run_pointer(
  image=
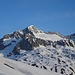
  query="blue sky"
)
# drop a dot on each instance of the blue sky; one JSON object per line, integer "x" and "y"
{"x": 47, "y": 15}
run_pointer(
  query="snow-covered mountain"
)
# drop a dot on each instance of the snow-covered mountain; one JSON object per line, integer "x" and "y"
{"x": 45, "y": 50}
{"x": 72, "y": 36}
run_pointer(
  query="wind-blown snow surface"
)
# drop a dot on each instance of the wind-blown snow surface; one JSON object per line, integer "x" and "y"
{"x": 11, "y": 67}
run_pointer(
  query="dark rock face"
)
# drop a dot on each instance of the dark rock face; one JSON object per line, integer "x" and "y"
{"x": 29, "y": 42}
{"x": 70, "y": 43}
{"x": 72, "y": 37}
{"x": 26, "y": 31}
{"x": 16, "y": 35}
{"x": 62, "y": 70}
{"x": 43, "y": 42}
{"x": 22, "y": 45}
{"x": 25, "y": 45}
{"x": 1, "y": 41}
{"x": 6, "y": 36}
{"x": 2, "y": 46}
{"x": 63, "y": 43}
{"x": 16, "y": 50}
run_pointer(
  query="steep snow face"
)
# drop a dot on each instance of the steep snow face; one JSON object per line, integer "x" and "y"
{"x": 52, "y": 37}
{"x": 10, "y": 67}
{"x": 40, "y": 34}
{"x": 9, "y": 45}
{"x": 9, "y": 41}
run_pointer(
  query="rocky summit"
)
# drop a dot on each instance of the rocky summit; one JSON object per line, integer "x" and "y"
{"x": 47, "y": 50}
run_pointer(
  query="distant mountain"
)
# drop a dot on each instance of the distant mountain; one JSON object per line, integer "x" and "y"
{"x": 72, "y": 36}
{"x": 47, "y": 50}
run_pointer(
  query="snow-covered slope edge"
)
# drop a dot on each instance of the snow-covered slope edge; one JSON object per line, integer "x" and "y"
{"x": 11, "y": 67}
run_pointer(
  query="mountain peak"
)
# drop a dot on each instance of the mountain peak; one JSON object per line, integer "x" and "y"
{"x": 33, "y": 29}
{"x": 31, "y": 26}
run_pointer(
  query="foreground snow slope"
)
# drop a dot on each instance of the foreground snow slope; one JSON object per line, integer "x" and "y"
{"x": 11, "y": 67}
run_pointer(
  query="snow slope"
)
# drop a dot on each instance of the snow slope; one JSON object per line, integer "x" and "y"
{"x": 42, "y": 35}
{"x": 51, "y": 37}
{"x": 11, "y": 67}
